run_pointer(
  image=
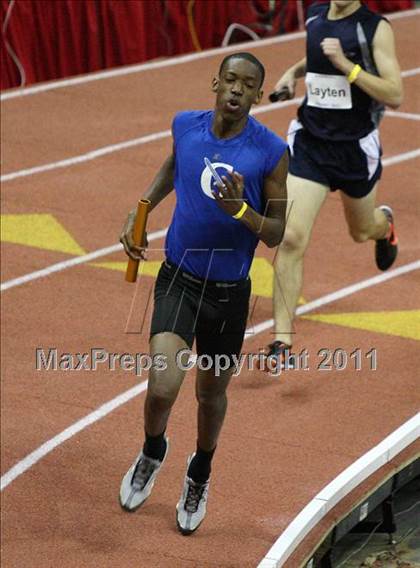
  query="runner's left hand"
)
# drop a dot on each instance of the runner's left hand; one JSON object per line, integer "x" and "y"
{"x": 331, "y": 46}
{"x": 230, "y": 198}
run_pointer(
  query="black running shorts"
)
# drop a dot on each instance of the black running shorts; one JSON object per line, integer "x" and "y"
{"x": 213, "y": 313}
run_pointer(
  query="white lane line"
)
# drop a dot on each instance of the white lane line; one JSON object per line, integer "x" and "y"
{"x": 131, "y": 69}
{"x": 406, "y": 115}
{"x": 411, "y": 72}
{"x": 403, "y": 14}
{"x": 111, "y": 148}
{"x": 337, "y": 489}
{"x": 92, "y": 155}
{"x": 391, "y": 160}
{"x": 99, "y": 152}
{"x": 59, "y": 266}
{"x": 344, "y": 292}
{"x": 260, "y": 109}
{"x": 68, "y": 433}
{"x": 398, "y": 158}
{"x": 31, "y": 459}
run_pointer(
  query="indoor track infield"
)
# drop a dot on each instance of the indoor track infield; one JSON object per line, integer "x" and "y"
{"x": 285, "y": 437}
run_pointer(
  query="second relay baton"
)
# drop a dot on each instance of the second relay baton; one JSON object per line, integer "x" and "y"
{"x": 138, "y": 236}
{"x": 214, "y": 174}
{"x": 281, "y": 95}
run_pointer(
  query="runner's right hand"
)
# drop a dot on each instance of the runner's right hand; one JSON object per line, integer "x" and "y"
{"x": 126, "y": 239}
{"x": 287, "y": 81}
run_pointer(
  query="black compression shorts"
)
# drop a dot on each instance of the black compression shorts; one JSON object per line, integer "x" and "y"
{"x": 213, "y": 313}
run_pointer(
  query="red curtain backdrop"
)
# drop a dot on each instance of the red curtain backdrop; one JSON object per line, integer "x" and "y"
{"x": 50, "y": 39}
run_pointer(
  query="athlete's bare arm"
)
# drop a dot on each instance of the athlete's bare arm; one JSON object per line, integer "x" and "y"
{"x": 160, "y": 187}
{"x": 163, "y": 183}
{"x": 270, "y": 226}
{"x": 289, "y": 78}
{"x": 387, "y": 88}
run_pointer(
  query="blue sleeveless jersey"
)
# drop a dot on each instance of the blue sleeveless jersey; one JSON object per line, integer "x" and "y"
{"x": 202, "y": 238}
{"x": 333, "y": 109}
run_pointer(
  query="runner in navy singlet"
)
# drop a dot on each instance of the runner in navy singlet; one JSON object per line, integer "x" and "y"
{"x": 351, "y": 72}
{"x": 203, "y": 287}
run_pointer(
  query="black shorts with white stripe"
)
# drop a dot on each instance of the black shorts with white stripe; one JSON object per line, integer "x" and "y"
{"x": 352, "y": 166}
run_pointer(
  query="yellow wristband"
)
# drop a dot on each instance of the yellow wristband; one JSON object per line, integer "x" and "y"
{"x": 354, "y": 73}
{"x": 241, "y": 211}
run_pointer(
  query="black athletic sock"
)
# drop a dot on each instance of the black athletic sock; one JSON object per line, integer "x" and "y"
{"x": 155, "y": 446}
{"x": 200, "y": 466}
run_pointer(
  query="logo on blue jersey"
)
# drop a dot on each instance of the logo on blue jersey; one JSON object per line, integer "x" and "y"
{"x": 207, "y": 180}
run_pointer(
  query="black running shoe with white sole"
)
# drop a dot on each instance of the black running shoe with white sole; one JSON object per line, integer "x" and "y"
{"x": 191, "y": 508}
{"x": 138, "y": 482}
{"x": 277, "y": 357}
{"x": 386, "y": 249}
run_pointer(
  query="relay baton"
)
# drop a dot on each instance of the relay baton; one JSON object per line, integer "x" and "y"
{"x": 281, "y": 95}
{"x": 138, "y": 236}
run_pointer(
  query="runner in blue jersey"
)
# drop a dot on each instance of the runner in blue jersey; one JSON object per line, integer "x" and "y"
{"x": 229, "y": 175}
{"x": 351, "y": 72}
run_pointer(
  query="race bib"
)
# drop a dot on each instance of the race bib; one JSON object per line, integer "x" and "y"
{"x": 328, "y": 91}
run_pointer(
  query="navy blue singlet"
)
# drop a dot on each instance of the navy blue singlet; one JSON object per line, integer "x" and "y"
{"x": 333, "y": 109}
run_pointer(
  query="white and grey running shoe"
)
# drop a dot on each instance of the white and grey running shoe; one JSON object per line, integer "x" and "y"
{"x": 191, "y": 508}
{"x": 138, "y": 482}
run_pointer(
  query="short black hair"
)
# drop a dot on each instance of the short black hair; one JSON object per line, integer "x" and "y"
{"x": 249, "y": 57}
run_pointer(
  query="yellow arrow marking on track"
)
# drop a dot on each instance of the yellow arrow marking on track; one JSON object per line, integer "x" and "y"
{"x": 39, "y": 230}
{"x": 405, "y": 323}
{"x": 42, "y": 230}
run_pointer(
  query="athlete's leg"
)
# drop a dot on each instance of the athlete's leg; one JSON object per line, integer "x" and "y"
{"x": 164, "y": 385}
{"x": 363, "y": 219}
{"x": 220, "y": 336}
{"x": 163, "y": 388}
{"x": 212, "y": 404}
{"x": 305, "y": 199}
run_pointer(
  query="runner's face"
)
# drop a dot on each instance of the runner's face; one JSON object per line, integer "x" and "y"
{"x": 237, "y": 88}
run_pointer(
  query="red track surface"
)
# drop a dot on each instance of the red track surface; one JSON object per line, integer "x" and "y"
{"x": 284, "y": 439}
